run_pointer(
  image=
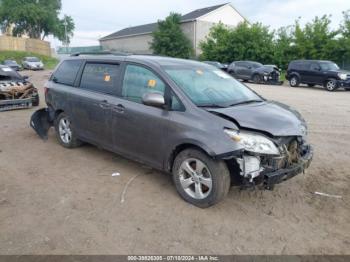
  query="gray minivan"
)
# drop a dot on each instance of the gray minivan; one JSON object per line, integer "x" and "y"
{"x": 183, "y": 117}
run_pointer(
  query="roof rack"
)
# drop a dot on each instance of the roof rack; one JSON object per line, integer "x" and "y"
{"x": 100, "y": 53}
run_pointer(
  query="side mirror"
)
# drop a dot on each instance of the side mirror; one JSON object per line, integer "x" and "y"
{"x": 153, "y": 99}
{"x": 25, "y": 77}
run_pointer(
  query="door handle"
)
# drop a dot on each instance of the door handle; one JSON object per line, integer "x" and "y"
{"x": 104, "y": 104}
{"x": 120, "y": 109}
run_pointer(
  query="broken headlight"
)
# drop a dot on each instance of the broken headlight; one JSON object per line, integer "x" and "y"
{"x": 253, "y": 142}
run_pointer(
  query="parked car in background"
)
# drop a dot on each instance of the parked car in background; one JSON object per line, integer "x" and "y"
{"x": 317, "y": 72}
{"x": 218, "y": 65}
{"x": 255, "y": 72}
{"x": 180, "y": 116}
{"x": 32, "y": 63}
{"x": 16, "y": 92}
{"x": 12, "y": 64}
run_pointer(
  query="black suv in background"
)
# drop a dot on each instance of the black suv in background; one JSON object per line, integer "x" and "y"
{"x": 317, "y": 72}
{"x": 255, "y": 72}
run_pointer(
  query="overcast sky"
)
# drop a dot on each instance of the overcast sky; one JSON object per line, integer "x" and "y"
{"x": 97, "y": 18}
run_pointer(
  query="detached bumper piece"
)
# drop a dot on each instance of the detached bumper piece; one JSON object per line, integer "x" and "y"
{"x": 277, "y": 177}
{"x": 41, "y": 121}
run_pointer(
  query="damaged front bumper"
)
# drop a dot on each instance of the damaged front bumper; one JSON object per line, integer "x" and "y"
{"x": 268, "y": 171}
{"x": 272, "y": 177}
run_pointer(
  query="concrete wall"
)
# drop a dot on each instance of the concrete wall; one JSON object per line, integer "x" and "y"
{"x": 189, "y": 31}
{"x": 202, "y": 31}
{"x": 131, "y": 44}
{"x": 8, "y": 43}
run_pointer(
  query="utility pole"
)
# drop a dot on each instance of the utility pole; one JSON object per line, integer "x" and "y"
{"x": 65, "y": 33}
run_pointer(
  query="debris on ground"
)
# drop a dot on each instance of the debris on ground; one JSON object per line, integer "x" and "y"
{"x": 122, "y": 200}
{"x": 115, "y": 174}
{"x": 327, "y": 195}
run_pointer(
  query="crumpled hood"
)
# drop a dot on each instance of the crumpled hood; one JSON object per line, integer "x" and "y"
{"x": 272, "y": 117}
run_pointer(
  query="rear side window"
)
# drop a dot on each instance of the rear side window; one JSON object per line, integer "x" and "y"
{"x": 315, "y": 67}
{"x": 139, "y": 81}
{"x": 299, "y": 66}
{"x": 67, "y": 72}
{"x": 100, "y": 77}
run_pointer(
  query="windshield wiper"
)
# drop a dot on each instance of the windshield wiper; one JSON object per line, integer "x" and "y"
{"x": 247, "y": 102}
{"x": 212, "y": 106}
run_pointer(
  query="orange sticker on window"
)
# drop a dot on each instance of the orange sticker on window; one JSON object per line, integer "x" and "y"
{"x": 107, "y": 78}
{"x": 152, "y": 83}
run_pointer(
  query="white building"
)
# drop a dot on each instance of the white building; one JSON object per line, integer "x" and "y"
{"x": 196, "y": 25}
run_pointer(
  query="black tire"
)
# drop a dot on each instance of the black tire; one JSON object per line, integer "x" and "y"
{"x": 331, "y": 85}
{"x": 219, "y": 174}
{"x": 294, "y": 81}
{"x": 35, "y": 100}
{"x": 310, "y": 85}
{"x": 73, "y": 141}
{"x": 256, "y": 79}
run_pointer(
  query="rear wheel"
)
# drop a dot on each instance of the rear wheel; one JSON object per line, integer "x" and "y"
{"x": 331, "y": 85}
{"x": 294, "y": 81}
{"x": 65, "y": 132}
{"x": 199, "y": 179}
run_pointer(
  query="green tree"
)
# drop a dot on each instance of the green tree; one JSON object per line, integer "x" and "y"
{"x": 169, "y": 39}
{"x": 316, "y": 40}
{"x": 344, "y": 41}
{"x": 244, "y": 42}
{"x": 37, "y": 18}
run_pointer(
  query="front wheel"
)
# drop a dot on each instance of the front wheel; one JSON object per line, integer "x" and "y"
{"x": 256, "y": 79}
{"x": 65, "y": 132}
{"x": 199, "y": 179}
{"x": 294, "y": 81}
{"x": 331, "y": 85}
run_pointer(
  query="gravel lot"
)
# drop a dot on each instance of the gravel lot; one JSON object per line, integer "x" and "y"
{"x": 59, "y": 201}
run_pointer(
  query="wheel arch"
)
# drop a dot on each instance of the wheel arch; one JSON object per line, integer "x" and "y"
{"x": 292, "y": 74}
{"x": 181, "y": 147}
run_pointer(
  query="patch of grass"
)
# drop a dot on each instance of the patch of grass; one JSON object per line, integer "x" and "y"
{"x": 49, "y": 62}
{"x": 283, "y": 76}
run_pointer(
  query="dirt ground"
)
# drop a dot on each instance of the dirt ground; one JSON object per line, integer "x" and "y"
{"x": 59, "y": 201}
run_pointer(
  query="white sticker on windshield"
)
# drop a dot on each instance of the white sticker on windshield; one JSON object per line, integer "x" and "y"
{"x": 6, "y": 69}
{"x": 221, "y": 74}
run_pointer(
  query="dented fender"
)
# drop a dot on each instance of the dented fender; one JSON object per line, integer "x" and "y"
{"x": 41, "y": 121}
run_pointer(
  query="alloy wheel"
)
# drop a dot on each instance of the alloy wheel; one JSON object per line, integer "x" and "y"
{"x": 64, "y": 129}
{"x": 195, "y": 178}
{"x": 331, "y": 85}
{"x": 293, "y": 81}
